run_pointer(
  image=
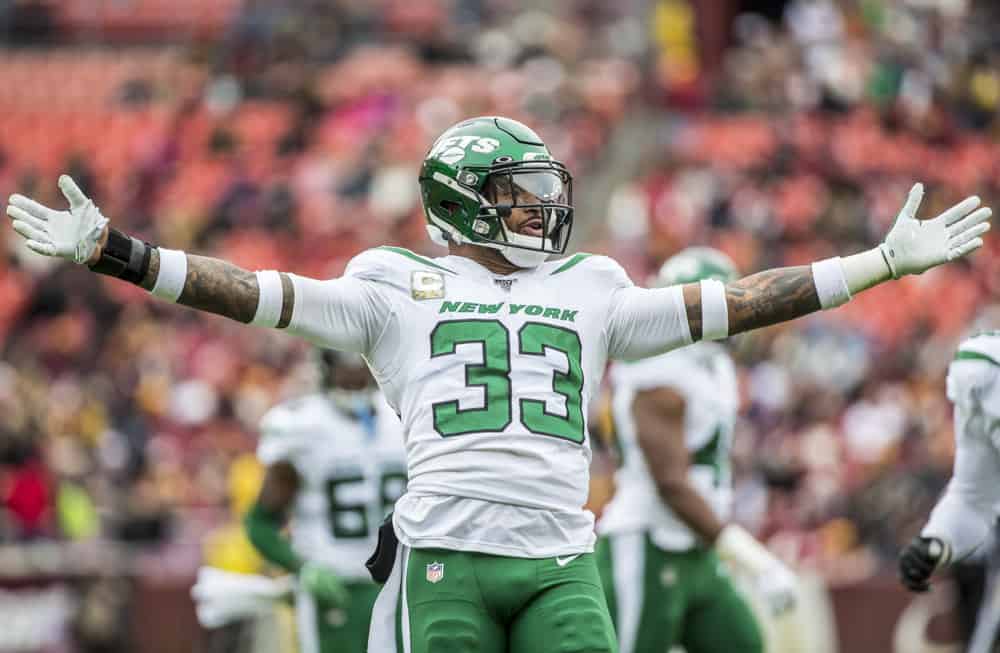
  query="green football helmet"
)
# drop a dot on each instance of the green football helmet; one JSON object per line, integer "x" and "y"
{"x": 481, "y": 169}
{"x": 696, "y": 264}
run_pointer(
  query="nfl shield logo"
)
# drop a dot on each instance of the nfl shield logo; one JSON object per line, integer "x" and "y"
{"x": 504, "y": 284}
{"x": 435, "y": 572}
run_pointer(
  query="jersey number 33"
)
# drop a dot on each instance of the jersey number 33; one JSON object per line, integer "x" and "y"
{"x": 493, "y": 375}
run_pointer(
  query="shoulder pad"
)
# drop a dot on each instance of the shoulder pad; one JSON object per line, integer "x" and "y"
{"x": 985, "y": 346}
{"x": 391, "y": 265}
{"x": 594, "y": 268}
{"x": 974, "y": 371}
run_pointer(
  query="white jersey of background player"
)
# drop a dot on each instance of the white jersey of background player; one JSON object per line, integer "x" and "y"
{"x": 963, "y": 518}
{"x": 352, "y": 467}
{"x": 704, "y": 374}
{"x": 336, "y": 464}
{"x": 674, "y": 416}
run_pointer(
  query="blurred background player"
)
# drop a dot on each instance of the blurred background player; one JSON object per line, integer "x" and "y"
{"x": 962, "y": 522}
{"x": 335, "y": 464}
{"x": 674, "y": 416}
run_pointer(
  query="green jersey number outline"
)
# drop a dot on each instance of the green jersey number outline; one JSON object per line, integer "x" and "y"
{"x": 493, "y": 375}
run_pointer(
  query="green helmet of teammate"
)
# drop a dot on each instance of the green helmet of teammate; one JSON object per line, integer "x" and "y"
{"x": 481, "y": 169}
{"x": 696, "y": 264}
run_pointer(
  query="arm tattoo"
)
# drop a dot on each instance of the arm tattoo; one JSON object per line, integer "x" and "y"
{"x": 220, "y": 287}
{"x": 770, "y": 297}
{"x": 760, "y": 300}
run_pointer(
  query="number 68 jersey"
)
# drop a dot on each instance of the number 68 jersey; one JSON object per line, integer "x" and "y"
{"x": 351, "y": 471}
{"x": 491, "y": 376}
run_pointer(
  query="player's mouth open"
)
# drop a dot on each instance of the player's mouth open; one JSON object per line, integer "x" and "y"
{"x": 532, "y": 227}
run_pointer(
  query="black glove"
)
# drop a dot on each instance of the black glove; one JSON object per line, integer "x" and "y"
{"x": 919, "y": 560}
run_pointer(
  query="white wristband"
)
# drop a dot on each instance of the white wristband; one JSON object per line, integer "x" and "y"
{"x": 831, "y": 284}
{"x": 170, "y": 278}
{"x": 714, "y": 312}
{"x": 865, "y": 269}
{"x": 269, "y": 299}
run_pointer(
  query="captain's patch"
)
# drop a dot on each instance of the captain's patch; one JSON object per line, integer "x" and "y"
{"x": 426, "y": 285}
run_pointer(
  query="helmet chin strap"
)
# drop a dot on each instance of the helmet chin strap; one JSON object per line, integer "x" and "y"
{"x": 524, "y": 258}
{"x": 519, "y": 256}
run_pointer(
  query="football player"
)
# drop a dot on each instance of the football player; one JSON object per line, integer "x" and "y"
{"x": 674, "y": 416}
{"x": 336, "y": 464}
{"x": 961, "y": 523}
{"x": 490, "y": 355}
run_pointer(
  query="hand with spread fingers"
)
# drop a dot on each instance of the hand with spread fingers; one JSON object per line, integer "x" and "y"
{"x": 914, "y": 246}
{"x": 74, "y": 235}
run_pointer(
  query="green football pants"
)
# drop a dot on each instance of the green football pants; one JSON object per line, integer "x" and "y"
{"x": 660, "y": 599}
{"x": 439, "y": 601}
{"x": 336, "y": 630}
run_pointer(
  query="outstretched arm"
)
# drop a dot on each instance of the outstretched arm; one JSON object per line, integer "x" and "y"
{"x": 84, "y": 236}
{"x": 646, "y": 322}
{"x": 759, "y": 300}
{"x": 219, "y": 287}
{"x": 345, "y": 313}
{"x": 911, "y": 247}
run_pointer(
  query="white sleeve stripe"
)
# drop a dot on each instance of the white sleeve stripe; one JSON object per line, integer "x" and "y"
{"x": 270, "y": 299}
{"x": 714, "y": 311}
{"x": 831, "y": 283}
{"x": 172, "y": 274}
{"x": 677, "y": 294}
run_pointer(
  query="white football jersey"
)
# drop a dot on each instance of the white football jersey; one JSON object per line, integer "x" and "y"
{"x": 974, "y": 389}
{"x": 352, "y": 470}
{"x": 491, "y": 376}
{"x": 705, "y": 376}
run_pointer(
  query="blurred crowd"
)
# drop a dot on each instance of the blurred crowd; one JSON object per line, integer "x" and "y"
{"x": 288, "y": 135}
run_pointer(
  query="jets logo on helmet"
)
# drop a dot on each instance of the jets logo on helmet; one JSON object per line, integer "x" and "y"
{"x": 451, "y": 149}
{"x": 480, "y": 171}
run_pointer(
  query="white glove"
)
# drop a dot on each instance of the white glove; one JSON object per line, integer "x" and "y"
{"x": 778, "y": 587}
{"x": 913, "y": 246}
{"x": 775, "y": 583}
{"x": 72, "y": 235}
{"x": 222, "y": 597}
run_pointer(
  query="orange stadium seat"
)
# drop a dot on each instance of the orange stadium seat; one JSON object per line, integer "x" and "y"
{"x": 132, "y": 18}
